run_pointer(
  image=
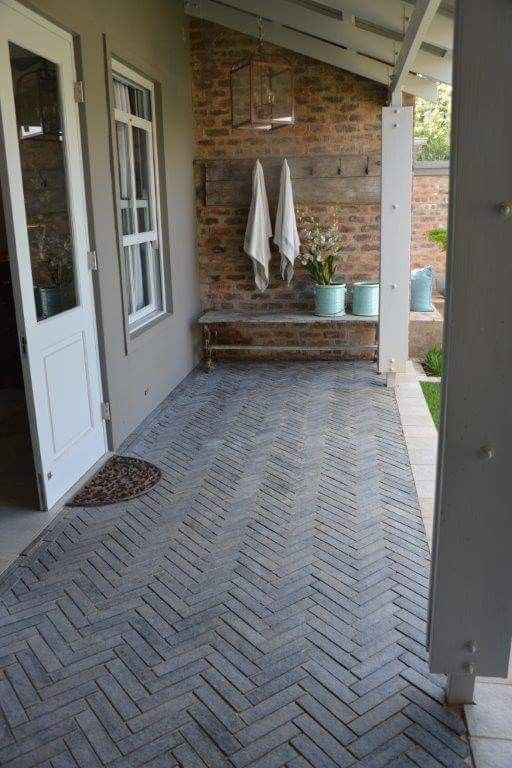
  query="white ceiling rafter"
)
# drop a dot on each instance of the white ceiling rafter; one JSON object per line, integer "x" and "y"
{"x": 302, "y": 19}
{"x": 306, "y": 43}
{"x": 420, "y": 21}
{"x": 392, "y": 14}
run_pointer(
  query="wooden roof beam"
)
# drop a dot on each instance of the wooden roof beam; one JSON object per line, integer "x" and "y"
{"x": 421, "y": 19}
{"x": 307, "y": 45}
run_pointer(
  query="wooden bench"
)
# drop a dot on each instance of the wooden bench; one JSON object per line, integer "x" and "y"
{"x": 284, "y": 335}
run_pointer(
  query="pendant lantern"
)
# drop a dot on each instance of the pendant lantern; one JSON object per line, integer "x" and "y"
{"x": 262, "y": 95}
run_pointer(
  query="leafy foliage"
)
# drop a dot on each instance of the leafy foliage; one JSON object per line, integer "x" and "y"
{"x": 440, "y": 237}
{"x": 433, "y": 362}
{"x": 432, "y": 122}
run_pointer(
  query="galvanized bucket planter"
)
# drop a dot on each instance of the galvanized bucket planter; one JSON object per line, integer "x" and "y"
{"x": 365, "y": 299}
{"x": 330, "y": 299}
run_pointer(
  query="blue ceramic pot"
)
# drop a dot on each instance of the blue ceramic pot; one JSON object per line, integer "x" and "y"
{"x": 330, "y": 300}
{"x": 365, "y": 299}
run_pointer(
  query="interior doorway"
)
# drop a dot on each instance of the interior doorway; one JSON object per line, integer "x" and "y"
{"x": 18, "y": 486}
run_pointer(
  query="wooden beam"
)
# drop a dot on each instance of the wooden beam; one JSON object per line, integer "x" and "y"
{"x": 395, "y": 238}
{"x": 421, "y": 19}
{"x": 307, "y": 45}
{"x": 471, "y": 606}
{"x": 344, "y": 179}
{"x": 343, "y": 33}
{"x": 391, "y": 14}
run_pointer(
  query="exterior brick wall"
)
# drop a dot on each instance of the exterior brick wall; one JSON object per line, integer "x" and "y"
{"x": 336, "y": 112}
{"x": 429, "y": 211}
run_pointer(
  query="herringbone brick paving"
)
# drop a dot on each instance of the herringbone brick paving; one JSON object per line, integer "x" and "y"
{"x": 263, "y": 606}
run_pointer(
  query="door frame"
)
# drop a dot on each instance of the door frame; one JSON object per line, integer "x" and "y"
{"x": 81, "y": 209}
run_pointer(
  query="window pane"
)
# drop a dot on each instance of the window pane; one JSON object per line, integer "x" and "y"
{"x": 43, "y": 167}
{"x": 137, "y": 262}
{"x": 125, "y": 178}
{"x": 132, "y": 98}
{"x": 142, "y": 179}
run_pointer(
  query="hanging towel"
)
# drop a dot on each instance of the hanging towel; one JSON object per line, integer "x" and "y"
{"x": 259, "y": 229}
{"x": 286, "y": 236}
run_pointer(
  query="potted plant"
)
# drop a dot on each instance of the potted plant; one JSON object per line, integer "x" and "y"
{"x": 321, "y": 254}
{"x": 54, "y": 291}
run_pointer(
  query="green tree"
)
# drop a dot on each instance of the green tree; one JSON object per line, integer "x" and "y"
{"x": 432, "y": 122}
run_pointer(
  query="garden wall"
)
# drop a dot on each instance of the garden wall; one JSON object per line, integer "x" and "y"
{"x": 429, "y": 211}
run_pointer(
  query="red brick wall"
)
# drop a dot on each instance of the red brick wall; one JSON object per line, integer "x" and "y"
{"x": 336, "y": 112}
{"x": 429, "y": 211}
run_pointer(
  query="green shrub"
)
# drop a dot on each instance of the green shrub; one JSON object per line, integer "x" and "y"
{"x": 433, "y": 361}
{"x": 440, "y": 237}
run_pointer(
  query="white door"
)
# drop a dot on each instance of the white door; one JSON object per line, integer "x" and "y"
{"x": 44, "y": 189}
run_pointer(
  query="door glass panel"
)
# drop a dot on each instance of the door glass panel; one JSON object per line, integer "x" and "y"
{"x": 142, "y": 178}
{"x": 41, "y": 145}
{"x": 125, "y": 178}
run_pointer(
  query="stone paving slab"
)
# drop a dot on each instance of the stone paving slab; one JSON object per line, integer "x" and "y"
{"x": 264, "y": 605}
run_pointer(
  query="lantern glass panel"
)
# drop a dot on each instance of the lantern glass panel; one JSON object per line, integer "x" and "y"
{"x": 262, "y": 96}
{"x": 282, "y": 90}
{"x": 241, "y": 96}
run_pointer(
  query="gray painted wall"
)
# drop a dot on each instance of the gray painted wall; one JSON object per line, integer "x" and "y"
{"x": 150, "y": 35}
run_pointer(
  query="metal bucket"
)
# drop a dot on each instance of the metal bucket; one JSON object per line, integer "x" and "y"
{"x": 365, "y": 299}
{"x": 330, "y": 299}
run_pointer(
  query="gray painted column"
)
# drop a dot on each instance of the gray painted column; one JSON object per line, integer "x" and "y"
{"x": 471, "y": 596}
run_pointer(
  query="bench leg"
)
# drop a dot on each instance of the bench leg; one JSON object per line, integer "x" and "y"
{"x": 208, "y": 352}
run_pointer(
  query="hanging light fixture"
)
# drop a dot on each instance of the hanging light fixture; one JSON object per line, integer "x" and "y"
{"x": 262, "y": 90}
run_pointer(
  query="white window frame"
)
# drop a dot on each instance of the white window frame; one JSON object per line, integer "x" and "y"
{"x": 153, "y": 237}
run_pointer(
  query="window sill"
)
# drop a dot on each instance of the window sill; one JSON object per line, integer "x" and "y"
{"x": 144, "y": 324}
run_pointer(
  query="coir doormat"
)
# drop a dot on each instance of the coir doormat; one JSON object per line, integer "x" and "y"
{"x": 119, "y": 479}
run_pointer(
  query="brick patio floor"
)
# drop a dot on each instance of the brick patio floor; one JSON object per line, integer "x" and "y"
{"x": 264, "y": 605}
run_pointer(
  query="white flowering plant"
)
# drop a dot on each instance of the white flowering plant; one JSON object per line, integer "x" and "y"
{"x": 321, "y": 253}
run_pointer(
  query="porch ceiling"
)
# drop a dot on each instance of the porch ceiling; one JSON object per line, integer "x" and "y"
{"x": 389, "y": 41}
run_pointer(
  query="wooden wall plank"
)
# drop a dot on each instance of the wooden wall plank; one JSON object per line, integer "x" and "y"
{"x": 323, "y": 179}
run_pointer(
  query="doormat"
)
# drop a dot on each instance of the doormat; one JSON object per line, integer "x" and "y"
{"x": 119, "y": 479}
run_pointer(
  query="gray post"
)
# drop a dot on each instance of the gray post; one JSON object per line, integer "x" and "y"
{"x": 460, "y": 689}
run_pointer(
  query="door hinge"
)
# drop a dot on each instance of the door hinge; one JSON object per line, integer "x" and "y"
{"x": 78, "y": 91}
{"x": 105, "y": 411}
{"x": 23, "y": 344}
{"x": 92, "y": 260}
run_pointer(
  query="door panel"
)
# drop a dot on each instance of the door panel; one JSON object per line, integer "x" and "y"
{"x": 71, "y": 410}
{"x": 44, "y": 183}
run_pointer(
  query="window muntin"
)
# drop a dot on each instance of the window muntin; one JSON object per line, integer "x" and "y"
{"x": 135, "y": 139}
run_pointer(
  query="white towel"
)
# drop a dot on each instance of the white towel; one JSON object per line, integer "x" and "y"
{"x": 286, "y": 236}
{"x": 259, "y": 229}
